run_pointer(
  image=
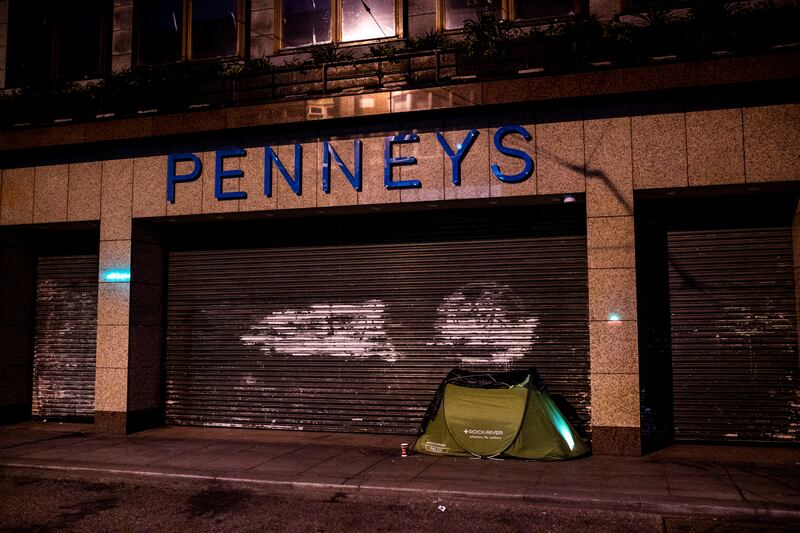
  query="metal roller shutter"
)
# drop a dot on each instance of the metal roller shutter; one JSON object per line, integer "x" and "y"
{"x": 356, "y": 337}
{"x": 734, "y": 337}
{"x": 65, "y": 337}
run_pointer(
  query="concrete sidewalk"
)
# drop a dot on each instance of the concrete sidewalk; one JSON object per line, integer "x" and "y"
{"x": 695, "y": 480}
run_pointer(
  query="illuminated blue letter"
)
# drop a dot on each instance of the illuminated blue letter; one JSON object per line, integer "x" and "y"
{"x": 221, "y": 174}
{"x": 172, "y": 178}
{"x": 390, "y": 162}
{"x": 354, "y": 178}
{"x": 295, "y": 183}
{"x": 455, "y": 158}
{"x": 512, "y": 152}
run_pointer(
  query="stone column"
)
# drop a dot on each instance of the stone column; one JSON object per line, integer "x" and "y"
{"x": 613, "y": 336}
{"x": 421, "y": 18}
{"x": 122, "y": 35}
{"x": 262, "y": 27}
{"x": 129, "y": 330}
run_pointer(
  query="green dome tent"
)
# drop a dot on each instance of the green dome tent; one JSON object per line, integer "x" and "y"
{"x": 502, "y": 414}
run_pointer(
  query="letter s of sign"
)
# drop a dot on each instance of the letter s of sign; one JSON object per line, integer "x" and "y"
{"x": 526, "y": 172}
{"x": 173, "y": 177}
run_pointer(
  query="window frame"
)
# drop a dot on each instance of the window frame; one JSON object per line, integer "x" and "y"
{"x": 54, "y": 68}
{"x": 507, "y": 12}
{"x": 187, "y": 28}
{"x": 336, "y": 28}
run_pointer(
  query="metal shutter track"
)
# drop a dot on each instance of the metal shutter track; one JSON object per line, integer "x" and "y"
{"x": 734, "y": 339}
{"x": 392, "y": 314}
{"x": 65, "y": 337}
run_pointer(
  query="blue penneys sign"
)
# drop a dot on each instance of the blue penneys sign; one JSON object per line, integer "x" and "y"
{"x": 353, "y": 174}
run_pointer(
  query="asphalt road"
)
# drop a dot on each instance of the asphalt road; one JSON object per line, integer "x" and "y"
{"x": 45, "y": 501}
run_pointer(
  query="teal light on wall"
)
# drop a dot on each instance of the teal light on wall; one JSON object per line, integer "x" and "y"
{"x": 117, "y": 275}
{"x": 614, "y": 317}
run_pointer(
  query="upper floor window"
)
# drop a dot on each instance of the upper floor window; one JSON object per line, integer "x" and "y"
{"x": 55, "y": 40}
{"x": 169, "y": 30}
{"x": 310, "y": 22}
{"x": 456, "y": 12}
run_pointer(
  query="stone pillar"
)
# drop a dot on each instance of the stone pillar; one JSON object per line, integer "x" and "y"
{"x": 262, "y": 28}
{"x": 421, "y": 18}
{"x": 613, "y": 336}
{"x": 122, "y": 35}
{"x": 129, "y": 330}
{"x": 17, "y": 295}
{"x": 3, "y": 41}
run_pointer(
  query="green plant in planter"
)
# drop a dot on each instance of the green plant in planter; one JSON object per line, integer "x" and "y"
{"x": 756, "y": 27}
{"x": 128, "y": 90}
{"x": 621, "y": 41}
{"x": 659, "y": 33}
{"x": 431, "y": 40}
{"x": 258, "y": 65}
{"x": 164, "y": 87}
{"x": 586, "y": 33}
{"x": 710, "y": 27}
{"x": 382, "y": 50}
{"x": 232, "y": 69}
{"x": 48, "y": 101}
{"x": 488, "y": 37}
{"x": 329, "y": 53}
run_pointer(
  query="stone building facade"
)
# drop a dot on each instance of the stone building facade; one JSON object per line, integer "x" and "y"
{"x": 635, "y": 161}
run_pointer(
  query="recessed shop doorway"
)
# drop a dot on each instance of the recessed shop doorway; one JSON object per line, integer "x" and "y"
{"x": 718, "y": 322}
{"x": 348, "y": 323}
{"x": 48, "y": 322}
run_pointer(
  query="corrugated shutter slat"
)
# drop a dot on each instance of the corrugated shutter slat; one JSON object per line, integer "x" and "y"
{"x": 65, "y": 337}
{"x": 357, "y": 337}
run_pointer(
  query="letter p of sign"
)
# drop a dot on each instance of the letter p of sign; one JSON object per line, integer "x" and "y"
{"x": 173, "y": 177}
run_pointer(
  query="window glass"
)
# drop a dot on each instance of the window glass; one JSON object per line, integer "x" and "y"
{"x": 29, "y": 43}
{"x": 80, "y": 38}
{"x": 531, "y": 9}
{"x": 456, "y": 12}
{"x": 160, "y": 29}
{"x": 306, "y": 22}
{"x": 214, "y": 28}
{"x": 367, "y": 19}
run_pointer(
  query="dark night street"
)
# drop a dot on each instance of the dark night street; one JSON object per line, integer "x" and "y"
{"x": 35, "y": 501}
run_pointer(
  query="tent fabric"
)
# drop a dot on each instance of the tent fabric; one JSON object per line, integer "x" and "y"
{"x": 505, "y": 414}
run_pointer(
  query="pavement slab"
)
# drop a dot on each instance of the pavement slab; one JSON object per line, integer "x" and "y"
{"x": 700, "y": 481}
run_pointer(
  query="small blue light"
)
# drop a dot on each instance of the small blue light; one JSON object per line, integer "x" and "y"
{"x": 118, "y": 276}
{"x": 614, "y": 317}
